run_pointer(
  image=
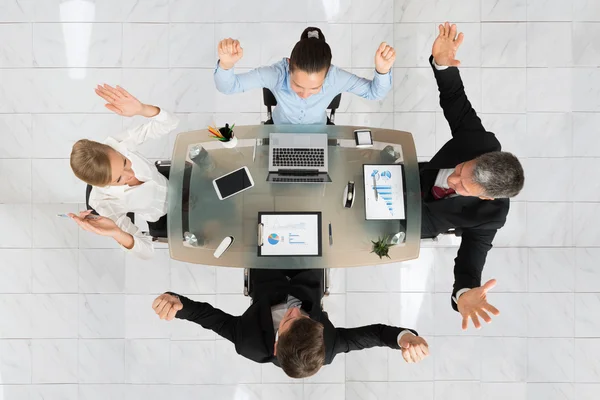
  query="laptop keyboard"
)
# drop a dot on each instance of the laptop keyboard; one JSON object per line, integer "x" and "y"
{"x": 298, "y": 157}
{"x": 298, "y": 179}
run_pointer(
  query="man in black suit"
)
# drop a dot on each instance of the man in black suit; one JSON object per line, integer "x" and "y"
{"x": 285, "y": 324}
{"x": 467, "y": 184}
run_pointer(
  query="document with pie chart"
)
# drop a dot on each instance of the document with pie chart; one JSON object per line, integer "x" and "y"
{"x": 386, "y": 181}
{"x": 289, "y": 234}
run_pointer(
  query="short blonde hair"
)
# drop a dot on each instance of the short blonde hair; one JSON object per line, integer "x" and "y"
{"x": 91, "y": 163}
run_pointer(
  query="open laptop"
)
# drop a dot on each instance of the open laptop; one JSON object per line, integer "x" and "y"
{"x": 298, "y": 158}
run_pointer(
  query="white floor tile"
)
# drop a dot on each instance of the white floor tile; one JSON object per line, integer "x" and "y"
{"x": 550, "y": 360}
{"x": 587, "y": 360}
{"x": 101, "y": 361}
{"x": 101, "y": 316}
{"x": 503, "y": 359}
{"x": 458, "y": 358}
{"x": 55, "y": 361}
{"x": 145, "y": 361}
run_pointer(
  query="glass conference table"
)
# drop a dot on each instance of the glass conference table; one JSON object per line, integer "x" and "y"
{"x": 198, "y": 221}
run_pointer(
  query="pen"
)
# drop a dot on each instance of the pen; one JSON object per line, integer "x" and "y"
{"x": 254, "y": 151}
{"x": 330, "y": 236}
{"x": 375, "y": 188}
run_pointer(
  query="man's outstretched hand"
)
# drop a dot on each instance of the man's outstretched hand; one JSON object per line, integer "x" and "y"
{"x": 414, "y": 348}
{"x": 446, "y": 45}
{"x": 473, "y": 304}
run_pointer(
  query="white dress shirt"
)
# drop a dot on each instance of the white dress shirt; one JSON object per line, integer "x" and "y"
{"x": 442, "y": 178}
{"x": 147, "y": 200}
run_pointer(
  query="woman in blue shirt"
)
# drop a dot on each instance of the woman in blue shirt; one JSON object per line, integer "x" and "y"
{"x": 304, "y": 84}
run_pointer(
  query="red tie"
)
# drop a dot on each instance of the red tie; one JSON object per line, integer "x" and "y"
{"x": 440, "y": 193}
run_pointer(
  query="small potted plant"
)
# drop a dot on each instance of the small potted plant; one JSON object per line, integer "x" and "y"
{"x": 224, "y": 135}
{"x": 381, "y": 247}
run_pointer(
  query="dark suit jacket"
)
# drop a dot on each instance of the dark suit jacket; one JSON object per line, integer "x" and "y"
{"x": 476, "y": 220}
{"x": 253, "y": 335}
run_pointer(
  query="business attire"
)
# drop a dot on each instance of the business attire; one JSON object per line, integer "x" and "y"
{"x": 148, "y": 200}
{"x": 476, "y": 220}
{"x": 291, "y": 109}
{"x": 273, "y": 292}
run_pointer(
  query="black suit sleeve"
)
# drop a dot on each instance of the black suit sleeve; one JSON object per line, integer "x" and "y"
{"x": 470, "y": 259}
{"x": 457, "y": 108}
{"x": 208, "y": 317}
{"x": 364, "y": 337}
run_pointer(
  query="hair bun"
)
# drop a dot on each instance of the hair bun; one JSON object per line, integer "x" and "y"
{"x": 312, "y": 32}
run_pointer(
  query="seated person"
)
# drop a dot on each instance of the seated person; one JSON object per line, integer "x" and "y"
{"x": 286, "y": 326}
{"x": 467, "y": 184}
{"x": 123, "y": 180}
{"x": 305, "y": 83}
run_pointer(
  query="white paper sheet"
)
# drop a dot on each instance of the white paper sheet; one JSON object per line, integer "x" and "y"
{"x": 290, "y": 234}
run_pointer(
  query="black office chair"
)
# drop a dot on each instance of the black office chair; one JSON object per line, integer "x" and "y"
{"x": 158, "y": 229}
{"x": 270, "y": 102}
{"x": 247, "y": 280}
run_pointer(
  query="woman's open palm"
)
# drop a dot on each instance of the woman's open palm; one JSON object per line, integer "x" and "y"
{"x": 119, "y": 100}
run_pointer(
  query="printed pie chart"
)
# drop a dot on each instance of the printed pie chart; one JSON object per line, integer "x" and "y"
{"x": 273, "y": 238}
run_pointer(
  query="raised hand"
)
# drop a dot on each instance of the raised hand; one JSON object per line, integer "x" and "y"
{"x": 446, "y": 45}
{"x": 414, "y": 348}
{"x": 92, "y": 223}
{"x": 473, "y": 304}
{"x": 120, "y": 101}
{"x": 384, "y": 58}
{"x": 166, "y": 306}
{"x": 230, "y": 52}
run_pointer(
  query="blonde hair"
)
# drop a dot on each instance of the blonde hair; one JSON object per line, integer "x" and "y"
{"x": 90, "y": 162}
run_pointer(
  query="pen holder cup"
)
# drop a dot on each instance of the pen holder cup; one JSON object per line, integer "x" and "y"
{"x": 231, "y": 143}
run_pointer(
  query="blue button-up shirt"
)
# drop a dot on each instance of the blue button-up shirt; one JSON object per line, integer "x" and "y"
{"x": 291, "y": 109}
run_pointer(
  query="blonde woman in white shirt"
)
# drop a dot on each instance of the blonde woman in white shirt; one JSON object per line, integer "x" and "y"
{"x": 123, "y": 180}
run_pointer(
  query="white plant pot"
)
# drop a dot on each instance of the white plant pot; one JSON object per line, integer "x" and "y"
{"x": 231, "y": 143}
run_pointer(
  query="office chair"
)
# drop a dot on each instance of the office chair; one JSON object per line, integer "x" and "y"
{"x": 157, "y": 230}
{"x": 270, "y": 101}
{"x": 326, "y": 278}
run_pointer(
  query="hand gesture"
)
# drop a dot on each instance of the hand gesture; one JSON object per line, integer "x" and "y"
{"x": 384, "y": 58}
{"x": 473, "y": 304}
{"x": 166, "y": 306}
{"x": 92, "y": 223}
{"x": 230, "y": 52}
{"x": 414, "y": 348}
{"x": 119, "y": 100}
{"x": 446, "y": 45}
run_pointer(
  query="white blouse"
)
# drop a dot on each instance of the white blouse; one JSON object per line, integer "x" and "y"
{"x": 148, "y": 200}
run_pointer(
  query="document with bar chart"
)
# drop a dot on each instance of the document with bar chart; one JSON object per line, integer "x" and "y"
{"x": 384, "y": 191}
{"x": 290, "y": 234}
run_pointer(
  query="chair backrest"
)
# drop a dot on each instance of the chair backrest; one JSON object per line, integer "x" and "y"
{"x": 335, "y": 103}
{"x": 270, "y": 101}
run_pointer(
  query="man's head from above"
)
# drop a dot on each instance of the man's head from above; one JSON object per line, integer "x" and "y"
{"x": 300, "y": 346}
{"x": 309, "y": 63}
{"x": 490, "y": 176}
{"x": 100, "y": 165}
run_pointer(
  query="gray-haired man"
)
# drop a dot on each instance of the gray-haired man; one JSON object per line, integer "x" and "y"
{"x": 466, "y": 186}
